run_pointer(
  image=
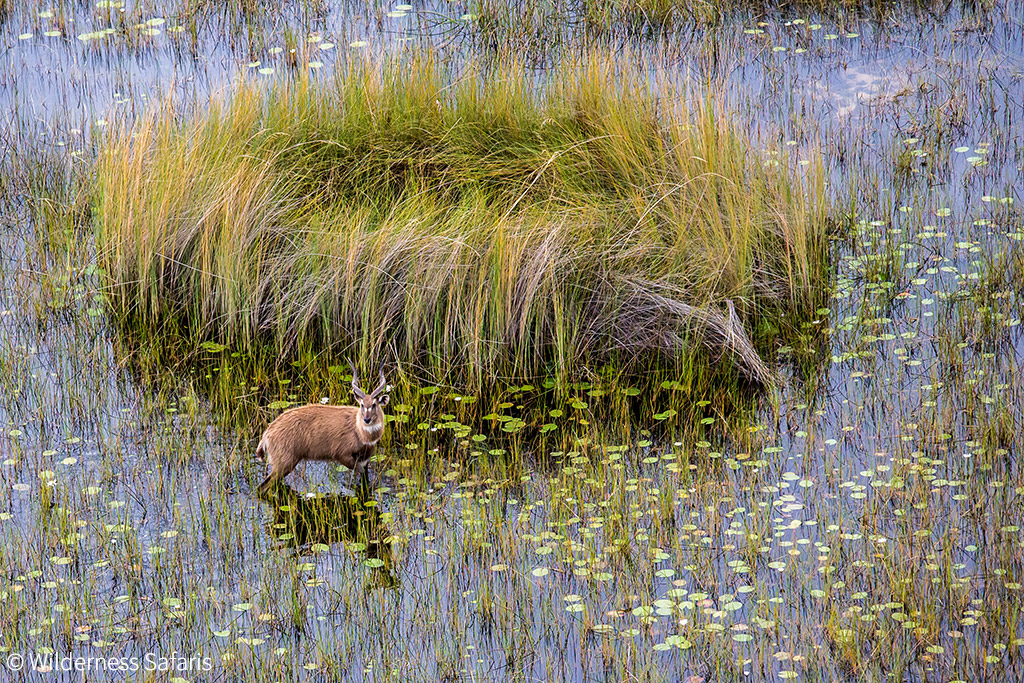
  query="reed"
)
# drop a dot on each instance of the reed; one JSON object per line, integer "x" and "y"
{"x": 476, "y": 226}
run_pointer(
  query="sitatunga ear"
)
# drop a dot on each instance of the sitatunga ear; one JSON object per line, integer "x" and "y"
{"x": 383, "y": 400}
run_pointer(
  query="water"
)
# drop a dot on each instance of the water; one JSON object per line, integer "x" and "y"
{"x": 866, "y": 525}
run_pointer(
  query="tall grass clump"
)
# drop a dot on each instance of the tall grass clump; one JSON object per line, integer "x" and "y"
{"x": 474, "y": 227}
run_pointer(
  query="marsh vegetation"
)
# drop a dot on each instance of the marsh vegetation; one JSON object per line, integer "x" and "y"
{"x": 541, "y": 215}
{"x": 463, "y": 225}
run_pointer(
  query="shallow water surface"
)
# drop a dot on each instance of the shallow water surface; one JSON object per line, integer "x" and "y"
{"x": 866, "y": 524}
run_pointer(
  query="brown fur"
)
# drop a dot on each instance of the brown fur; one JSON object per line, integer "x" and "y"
{"x": 321, "y": 432}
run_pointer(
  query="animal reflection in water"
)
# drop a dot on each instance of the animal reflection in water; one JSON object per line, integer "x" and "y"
{"x": 301, "y": 521}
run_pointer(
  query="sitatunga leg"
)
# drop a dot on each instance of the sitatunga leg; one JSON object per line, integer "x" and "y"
{"x": 277, "y": 473}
